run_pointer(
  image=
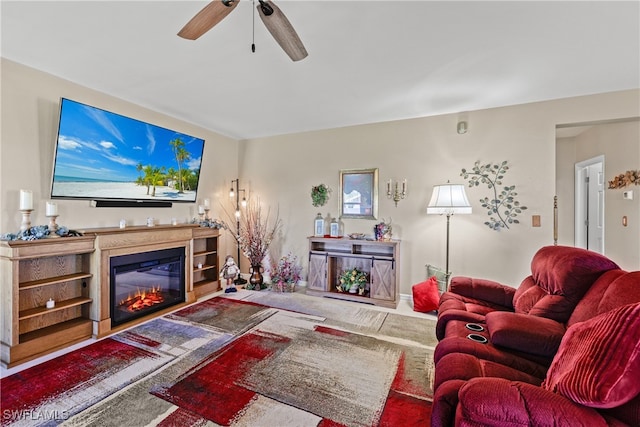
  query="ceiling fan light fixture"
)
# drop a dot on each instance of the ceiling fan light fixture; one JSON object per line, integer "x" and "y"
{"x": 266, "y": 9}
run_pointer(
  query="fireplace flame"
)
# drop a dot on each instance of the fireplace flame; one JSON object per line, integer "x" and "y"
{"x": 142, "y": 299}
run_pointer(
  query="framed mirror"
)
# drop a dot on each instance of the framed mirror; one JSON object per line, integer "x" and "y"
{"x": 359, "y": 193}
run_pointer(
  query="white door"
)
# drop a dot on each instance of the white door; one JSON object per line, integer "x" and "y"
{"x": 589, "y": 204}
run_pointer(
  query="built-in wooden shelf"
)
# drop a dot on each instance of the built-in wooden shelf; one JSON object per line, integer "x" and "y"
{"x": 62, "y": 327}
{"x": 60, "y": 305}
{"x": 32, "y": 272}
{"x": 205, "y": 250}
{"x": 54, "y": 281}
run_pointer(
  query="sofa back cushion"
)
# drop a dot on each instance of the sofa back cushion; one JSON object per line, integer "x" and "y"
{"x": 560, "y": 276}
{"x": 605, "y": 294}
{"x": 598, "y": 362}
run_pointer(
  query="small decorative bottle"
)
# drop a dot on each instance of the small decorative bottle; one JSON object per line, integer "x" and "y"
{"x": 335, "y": 228}
{"x": 319, "y": 225}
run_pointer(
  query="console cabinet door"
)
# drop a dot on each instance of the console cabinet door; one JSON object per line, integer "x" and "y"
{"x": 317, "y": 279}
{"x": 383, "y": 280}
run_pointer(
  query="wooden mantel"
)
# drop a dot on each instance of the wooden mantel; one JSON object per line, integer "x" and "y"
{"x": 74, "y": 271}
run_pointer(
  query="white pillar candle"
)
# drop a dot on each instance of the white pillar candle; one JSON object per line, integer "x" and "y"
{"x": 200, "y": 209}
{"x": 51, "y": 209}
{"x": 26, "y": 200}
{"x": 206, "y": 203}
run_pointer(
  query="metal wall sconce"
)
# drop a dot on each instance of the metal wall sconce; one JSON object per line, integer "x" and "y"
{"x": 462, "y": 127}
{"x": 394, "y": 193}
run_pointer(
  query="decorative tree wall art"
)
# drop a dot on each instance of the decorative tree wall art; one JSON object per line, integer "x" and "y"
{"x": 503, "y": 208}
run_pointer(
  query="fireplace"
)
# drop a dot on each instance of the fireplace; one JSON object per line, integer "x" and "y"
{"x": 146, "y": 282}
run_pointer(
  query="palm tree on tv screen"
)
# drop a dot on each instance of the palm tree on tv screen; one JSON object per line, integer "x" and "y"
{"x": 182, "y": 155}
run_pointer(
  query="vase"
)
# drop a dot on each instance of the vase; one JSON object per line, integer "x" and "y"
{"x": 256, "y": 278}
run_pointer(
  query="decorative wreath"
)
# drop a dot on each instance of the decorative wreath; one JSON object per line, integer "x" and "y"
{"x": 320, "y": 195}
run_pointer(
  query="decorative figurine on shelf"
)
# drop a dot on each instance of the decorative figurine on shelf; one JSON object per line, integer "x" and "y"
{"x": 229, "y": 271}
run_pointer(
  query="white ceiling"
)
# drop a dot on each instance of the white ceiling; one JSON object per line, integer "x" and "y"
{"x": 369, "y": 61}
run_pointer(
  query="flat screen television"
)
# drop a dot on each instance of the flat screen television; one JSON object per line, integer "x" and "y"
{"x": 100, "y": 155}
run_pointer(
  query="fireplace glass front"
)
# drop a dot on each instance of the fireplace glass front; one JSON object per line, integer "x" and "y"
{"x": 146, "y": 282}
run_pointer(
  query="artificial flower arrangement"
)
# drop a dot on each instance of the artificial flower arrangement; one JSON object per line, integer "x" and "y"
{"x": 286, "y": 273}
{"x": 255, "y": 233}
{"x": 352, "y": 281}
{"x": 40, "y": 232}
{"x": 631, "y": 177}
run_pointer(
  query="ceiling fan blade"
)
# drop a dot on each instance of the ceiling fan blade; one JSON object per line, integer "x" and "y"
{"x": 281, "y": 30}
{"x": 209, "y": 16}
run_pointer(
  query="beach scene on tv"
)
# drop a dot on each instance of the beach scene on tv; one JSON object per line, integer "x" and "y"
{"x": 103, "y": 155}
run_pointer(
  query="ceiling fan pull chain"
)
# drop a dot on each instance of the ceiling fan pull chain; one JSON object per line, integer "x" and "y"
{"x": 253, "y": 34}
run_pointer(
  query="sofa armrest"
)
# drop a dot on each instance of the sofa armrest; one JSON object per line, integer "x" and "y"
{"x": 499, "y": 402}
{"x": 485, "y": 290}
{"x": 454, "y": 314}
{"x": 525, "y": 333}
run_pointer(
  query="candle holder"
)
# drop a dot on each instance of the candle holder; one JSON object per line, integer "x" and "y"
{"x": 206, "y": 213}
{"x": 394, "y": 193}
{"x": 26, "y": 219}
{"x": 53, "y": 227}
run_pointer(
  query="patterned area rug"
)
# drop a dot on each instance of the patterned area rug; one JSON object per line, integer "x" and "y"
{"x": 251, "y": 359}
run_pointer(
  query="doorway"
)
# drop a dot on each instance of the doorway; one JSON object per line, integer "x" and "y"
{"x": 589, "y": 204}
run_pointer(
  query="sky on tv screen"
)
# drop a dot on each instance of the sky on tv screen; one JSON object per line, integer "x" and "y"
{"x": 99, "y": 146}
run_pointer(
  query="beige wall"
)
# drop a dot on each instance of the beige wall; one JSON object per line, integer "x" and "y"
{"x": 428, "y": 151}
{"x": 619, "y": 143}
{"x": 281, "y": 171}
{"x": 30, "y": 103}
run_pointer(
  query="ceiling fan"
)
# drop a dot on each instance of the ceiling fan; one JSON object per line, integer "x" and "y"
{"x": 272, "y": 17}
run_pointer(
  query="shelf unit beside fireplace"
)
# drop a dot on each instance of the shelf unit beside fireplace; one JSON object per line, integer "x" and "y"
{"x": 329, "y": 257}
{"x": 32, "y": 273}
{"x": 205, "y": 252}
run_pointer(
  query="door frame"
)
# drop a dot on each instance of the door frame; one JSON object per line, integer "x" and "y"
{"x": 581, "y": 203}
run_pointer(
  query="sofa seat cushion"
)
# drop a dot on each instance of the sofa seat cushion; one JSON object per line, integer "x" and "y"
{"x": 501, "y": 402}
{"x": 598, "y": 363}
{"x": 530, "y": 364}
{"x": 460, "y": 366}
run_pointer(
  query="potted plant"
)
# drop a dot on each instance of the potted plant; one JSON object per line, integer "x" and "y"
{"x": 352, "y": 281}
